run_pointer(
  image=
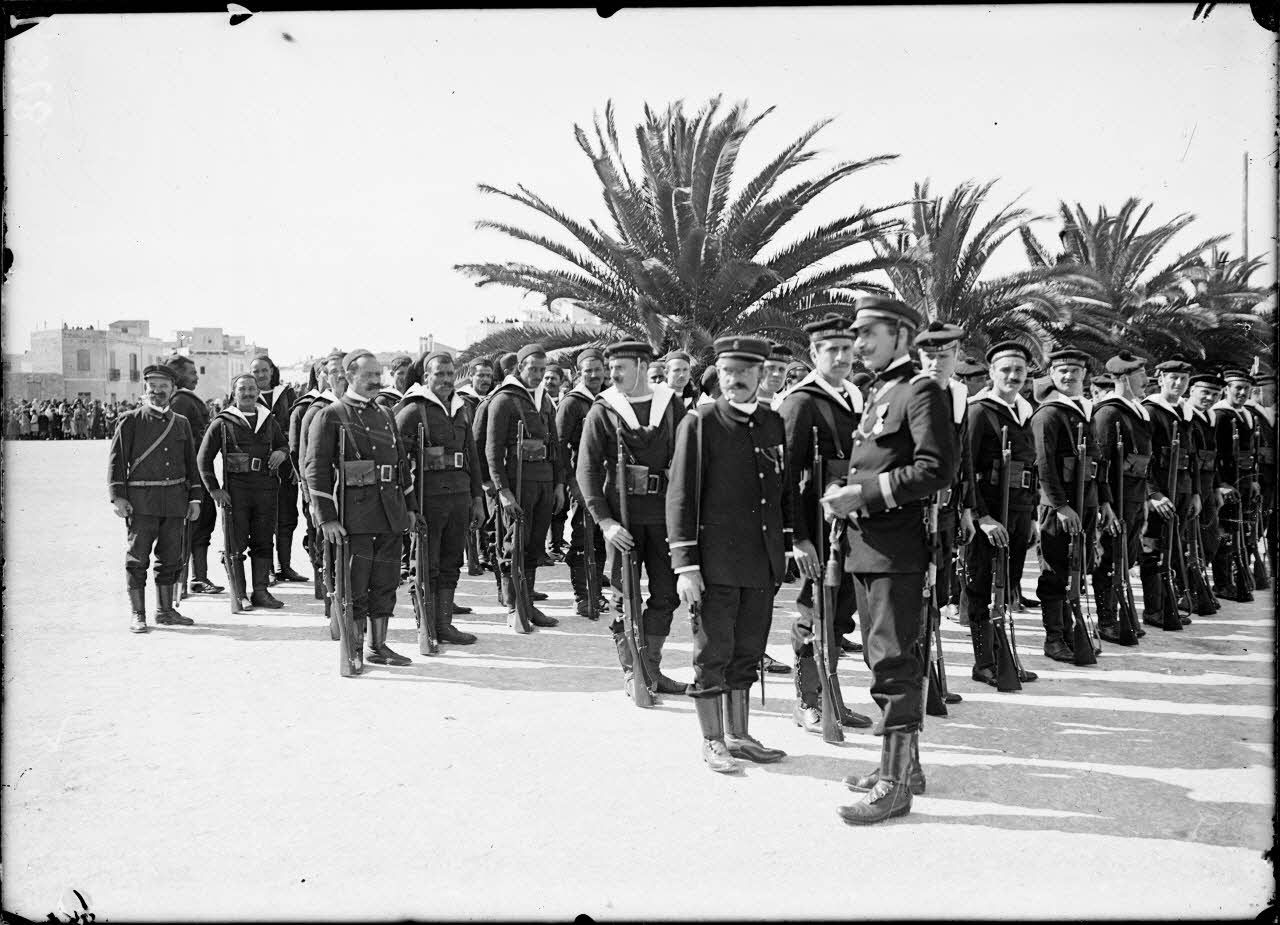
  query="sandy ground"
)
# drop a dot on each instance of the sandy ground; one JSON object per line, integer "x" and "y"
{"x": 226, "y": 771}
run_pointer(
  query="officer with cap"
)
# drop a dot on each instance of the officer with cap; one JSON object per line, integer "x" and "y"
{"x": 729, "y": 516}
{"x": 453, "y": 496}
{"x": 1055, "y": 423}
{"x": 679, "y": 370}
{"x": 775, "y": 374}
{"x": 279, "y": 399}
{"x": 1263, "y": 409}
{"x": 1202, "y": 392}
{"x": 378, "y": 505}
{"x": 543, "y": 478}
{"x": 1122, "y": 410}
{"x": 154, "y": 485}
{"x": 1167, "y": 421}
{"x": 570, "y": 415}
{"x": 824, "y": 402}
{"x": 253, "y": 448}
{"x": 192, "y": 407}
{"x": 904, "y": 452}
{"x": 938, "y": 347}
{"x": 398, "y": 369}
{"x": 998, "y": 410}
{"x": 1237, "y": 474}
{"x": 972, "y": 375}
{"x": 647, "y": 416}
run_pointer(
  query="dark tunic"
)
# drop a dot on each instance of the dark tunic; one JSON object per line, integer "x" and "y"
{"x": 512, "y": 403}
{"x": 253, "y": 493}
{"x": 160, "y": 482}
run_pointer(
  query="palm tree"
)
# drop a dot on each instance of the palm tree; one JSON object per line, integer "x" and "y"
{"x": 946, "y": 252}
{"x": 689, "y": 257}
{"x": 1128, "y": 303}
{"x": 1245, "y": 313}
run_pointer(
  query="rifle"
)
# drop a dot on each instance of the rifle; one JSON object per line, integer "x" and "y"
{"x": 1008, "y": 671}
{"x": 230, "y": 560}
{"x": 1197, "y": 584}
{"x": 632, "y": 608}
{"x": 420, "y": 591}
{"x": 1238, "y": 577}
{"x": 1082, "y": 633}
{"x": 824, "y": 608}
{"x": 350, "y": 659}
{"x": 926, "y": 602}
{"x": 519, "y": 620}
{"x": 1258, "y": 547}
{"x": 1169, "y": 537}
{"x": 180, "y": 586}
{"x": 499, "y": 538}
{"x": 330, "y": 588}
{"x": 589, "y": 555}
{"x": 1121, "y": 589}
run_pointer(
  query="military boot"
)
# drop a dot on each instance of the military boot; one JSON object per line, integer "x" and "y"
{"x": 165, "y": 614}
{"x": 982, "y": 634}
{"x": 445, "y": 610}
{"x": 714, "y": 750}
{"x": 741, "y": 744}
{"x": 1055, "y": 644}
{"x": 237, "y": 565}
{"x": 807, "y": 713}
{"x": 538, "y": 617}
{"x": 625, "y": 660}
{"x": 379, "y": 653}
{"x": 284, "y": 552}
{"x": 578, "y": 581}
{"x": 891, "y": 795}
{"x": 261, "y": 567}
{"x": 138, "y": 607}
{"x": 915, "y": 775}
{"x": 653, "y": 661}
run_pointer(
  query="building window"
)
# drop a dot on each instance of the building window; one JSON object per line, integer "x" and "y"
{"x": 202, "y": 370}
{"x": 133, "y": 362}
{"x": 111, "y": 357}
{"x": 82, "y": 361}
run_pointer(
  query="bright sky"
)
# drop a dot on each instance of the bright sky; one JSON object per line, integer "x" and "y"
{"x": 318, "y": 192}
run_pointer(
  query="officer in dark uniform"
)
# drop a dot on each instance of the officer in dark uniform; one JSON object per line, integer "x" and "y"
{"x": 280, "y": 400}
{"x": 390, "y": 395}
{"x": 1202, "y": 392}
{"x": 938, "y": 347}
{"x": 570, "y": 415}
{"x": 1124, "y": 408}
{"x": 378, "y": 505}
{"x": 648, "y": 416}
{"x": 1237, "y": 473}
{"x": 543, "y": 479}
{"x": 1263, "y": 409}
{"x": 775, "y": 374}
{"x": 253, "y": 448}
{"x": 1054, "y": 424}
{"x": 188, "y": 404}
{"x": 154, "y": 485}
{"x": 1167, "y": 419}
{"x": 827, "y": 402}
{"x": 317, "y": 383}
{"x": 904, "y": 452}
{"x": 729, "y": 517}
{"x": 452, "y": 489}
{"x": 997, "y": 408}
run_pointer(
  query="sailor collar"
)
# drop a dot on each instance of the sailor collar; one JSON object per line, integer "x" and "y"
{"x": 1079, "y": 405}
{"x": 1020, "y": 410}
{"x": 581, "y": 391}
{"x": 456, "y": 401}
{"x": 261, "y": 415}
{"x": 847, "y": 396}
{"x": 959, "y": 401}
{"x": 1242, "y": 412}
{"x": 392, "y": 390}
{"x": 662, "y": 396}
{"x": 1135, "y": 406}
{"x": 1190, "y": 412}
{"x": 1158, "y": 401}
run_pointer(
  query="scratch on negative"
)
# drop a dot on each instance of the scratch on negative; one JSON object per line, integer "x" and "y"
{"x": 1188, "y": 147}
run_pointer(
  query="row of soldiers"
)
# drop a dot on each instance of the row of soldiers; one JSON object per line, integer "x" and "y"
{"x": 867, "y": 492}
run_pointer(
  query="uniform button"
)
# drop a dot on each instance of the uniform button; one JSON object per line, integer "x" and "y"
{"x": 762, "y": 501}
{"x": 853, "y": 469}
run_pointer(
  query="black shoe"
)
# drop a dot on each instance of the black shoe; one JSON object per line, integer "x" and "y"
{"x": 581, "y": 609}
{"x": 459, "y": 608}
{"x": 474, "y": 570}
{"x": 984, "y": 676}
{"x": 173, "y": 618}
{"x": 853, "y": 720}
{"x": 453, "y": 636}
{"x": 1110, "y": 632}
{"x": 545, "y": 561}
{"x": 1028, "y": 603}
{"x": 773, "y": 666}
{"x": 203, "y": 586}
{"x": 264, "y": 599}
{"x": 848, "y": 645}
{"x": 1186, "y": 621}
{"x": 537, "y": 596}
{"x": 1027, "y": 676}
{"x": 1058, "y": 650}
{"x": 538, "y": 618}
{"x": 286, "y": 573}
